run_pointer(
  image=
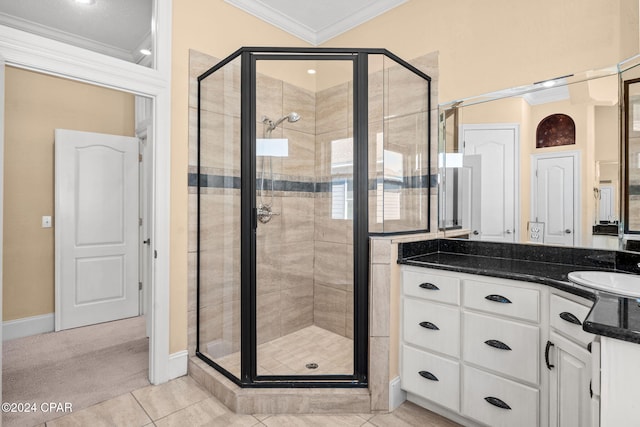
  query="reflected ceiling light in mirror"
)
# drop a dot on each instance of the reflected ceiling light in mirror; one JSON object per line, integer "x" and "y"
{"x": 311, "y": 71}
{"x": 553, "y": 81}
{"x": 145, "y": 52}
{"x": 87, "y": 2}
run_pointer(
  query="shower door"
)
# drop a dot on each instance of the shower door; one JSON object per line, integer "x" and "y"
{"x": 304, "y": 236}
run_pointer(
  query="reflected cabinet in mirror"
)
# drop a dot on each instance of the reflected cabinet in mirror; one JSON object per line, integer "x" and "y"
{"x": 535, "y": 164}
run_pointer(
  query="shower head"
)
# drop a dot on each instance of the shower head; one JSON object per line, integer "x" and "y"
{"x": 292, "y": 117}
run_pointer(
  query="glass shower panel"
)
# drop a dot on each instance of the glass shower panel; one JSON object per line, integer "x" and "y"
{"x": 304, "y": 236}
{"x": 219, "y": 218}
{"x": 399, "y": 131}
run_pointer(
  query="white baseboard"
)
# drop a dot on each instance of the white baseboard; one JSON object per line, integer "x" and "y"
{"x": 178, "y": 364}
{"x": 27, "y": 326}
{"x": 396, "y": 394}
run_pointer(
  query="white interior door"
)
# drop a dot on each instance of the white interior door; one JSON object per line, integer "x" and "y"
{"x": 606, "y": 208}
{"x": 96, "y": 231}
{"x": 554, "y": 197}
{"x": 471, "y": 195}
{"x": 496, "y": 145}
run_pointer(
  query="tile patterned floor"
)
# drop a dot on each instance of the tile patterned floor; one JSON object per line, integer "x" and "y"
{"x": 182, "y": 402}
{"x": 289, "y": 355}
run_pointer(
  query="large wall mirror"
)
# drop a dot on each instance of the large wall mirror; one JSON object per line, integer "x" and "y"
{"x": 542, "y": 163}
{"x": 630, "y": 123}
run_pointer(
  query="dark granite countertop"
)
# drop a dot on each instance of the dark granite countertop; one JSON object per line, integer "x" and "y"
{"x": 610, "y": 316}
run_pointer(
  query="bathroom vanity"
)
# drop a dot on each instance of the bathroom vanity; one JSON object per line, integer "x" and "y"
{"x": 495, "y": 334}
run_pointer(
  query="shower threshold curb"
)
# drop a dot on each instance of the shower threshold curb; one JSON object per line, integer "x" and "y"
{"x": 279, "y": 400}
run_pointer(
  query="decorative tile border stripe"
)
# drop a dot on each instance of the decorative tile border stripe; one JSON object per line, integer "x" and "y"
{"x": 233, "y": 182}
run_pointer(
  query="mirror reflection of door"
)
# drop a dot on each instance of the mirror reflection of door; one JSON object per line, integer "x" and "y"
{"x": 496, "y": 146}
{"x": 606, "y": 208}
{"x": 471, "y": 179}
{"x": 554, "y": 196}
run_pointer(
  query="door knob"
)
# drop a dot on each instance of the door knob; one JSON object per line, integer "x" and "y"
{"x": 475, "y": 232}
{"x": 508, "y": 231}
{"x": 567, "y": 231}
{"x": 147, "y": 242}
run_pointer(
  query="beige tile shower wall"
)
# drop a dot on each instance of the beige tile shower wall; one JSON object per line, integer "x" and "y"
{"x": 285, "y": 249}
{"x": 333, "y": 266}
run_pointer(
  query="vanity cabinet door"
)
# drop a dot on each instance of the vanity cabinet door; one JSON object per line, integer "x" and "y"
{"x": 569, "y": 384}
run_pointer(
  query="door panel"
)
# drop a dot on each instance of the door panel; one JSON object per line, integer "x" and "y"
{"x": 553, "y": 202}
{"x": 496, "y": 148}
{"x": 569, "y": 399}
{"x": 96, "y": 186}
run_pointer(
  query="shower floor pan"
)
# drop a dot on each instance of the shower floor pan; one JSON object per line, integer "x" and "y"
{"x": 308, "y": 351}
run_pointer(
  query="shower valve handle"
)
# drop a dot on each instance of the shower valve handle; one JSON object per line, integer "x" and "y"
{"x": 264, "y": 214}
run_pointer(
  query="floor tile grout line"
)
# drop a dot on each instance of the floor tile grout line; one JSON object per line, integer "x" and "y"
{"x": 141, "y": 406}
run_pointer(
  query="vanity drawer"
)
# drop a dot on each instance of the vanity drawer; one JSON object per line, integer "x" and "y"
{"x": 431, "y": 286}
{"x": 485, "y": 338}
{"x": 432, "y": 326}
{"x": 519, "y": 303}
{"x": 567, "y": 317}
{"x": 431, "y": 377}
{"x": 484, "y": 393}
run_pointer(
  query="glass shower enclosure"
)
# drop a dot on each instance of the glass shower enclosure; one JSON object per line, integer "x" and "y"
{"x": 303, "y": 154}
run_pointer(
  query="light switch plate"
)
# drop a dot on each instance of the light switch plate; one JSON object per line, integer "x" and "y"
{"x": 46, "y": 222}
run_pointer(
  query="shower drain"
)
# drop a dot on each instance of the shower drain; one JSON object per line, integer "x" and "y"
{"x": 311, "y": 366}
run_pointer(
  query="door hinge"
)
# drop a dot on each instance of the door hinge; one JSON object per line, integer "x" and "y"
{"x": 536, "y": 173}
{"x": 140, "y": 222}
{"x": 140, "y": 158}
{"x": 139, "y": 286}
{"x": 155, "y": 254}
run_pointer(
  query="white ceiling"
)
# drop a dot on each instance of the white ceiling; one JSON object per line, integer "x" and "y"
{"x": 114, "y": 27}
{"x": 316, "y": 21}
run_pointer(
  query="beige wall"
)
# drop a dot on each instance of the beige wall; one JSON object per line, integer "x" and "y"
{"x": 483, "y": 46}
{"x": 35, "y": 105}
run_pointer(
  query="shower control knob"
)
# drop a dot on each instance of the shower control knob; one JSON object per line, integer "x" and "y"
{"x": 264, "y": 213}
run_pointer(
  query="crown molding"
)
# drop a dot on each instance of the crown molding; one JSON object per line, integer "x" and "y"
{"x": 315, "y": 37}
{"x": 65, "y": 37}
{"x": 375, "y": 8}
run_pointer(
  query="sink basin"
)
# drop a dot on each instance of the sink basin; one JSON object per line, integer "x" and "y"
{"x": 626, "y": 285}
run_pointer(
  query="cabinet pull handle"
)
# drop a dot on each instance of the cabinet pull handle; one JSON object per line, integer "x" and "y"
{"x": 546, "y": 355}
{"x": 428, "y": 375}
{"x": 498, "y": 298}
{"x": 429, "y": 325}
{"x": 497, "y": 402}
{"x": 429, "y": 286}
{"x": 565, "y": 315}
{"x": 497, "y": 344}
